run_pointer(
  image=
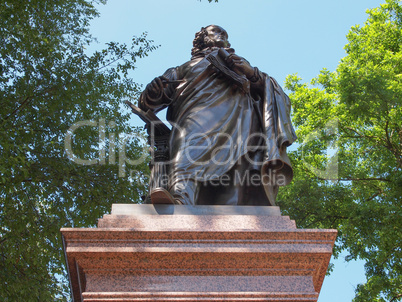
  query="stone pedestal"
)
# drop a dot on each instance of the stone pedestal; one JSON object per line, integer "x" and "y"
{"x": 201, "y": 253}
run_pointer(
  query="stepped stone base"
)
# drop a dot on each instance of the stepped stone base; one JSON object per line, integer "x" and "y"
{"x": 196, "y": 253}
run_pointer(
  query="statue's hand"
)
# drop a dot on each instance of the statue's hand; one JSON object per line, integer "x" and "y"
{"x": 154, "y": 90}
{"x": 240, "y": 65}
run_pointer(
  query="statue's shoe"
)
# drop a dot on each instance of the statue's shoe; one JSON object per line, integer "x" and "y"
{"x": 162, "y": 196}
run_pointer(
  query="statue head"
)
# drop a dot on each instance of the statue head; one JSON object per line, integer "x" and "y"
{"x": 210, "y": 36}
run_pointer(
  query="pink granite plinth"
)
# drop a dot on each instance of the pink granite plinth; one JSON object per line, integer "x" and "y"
{"x": 205, "y": 253}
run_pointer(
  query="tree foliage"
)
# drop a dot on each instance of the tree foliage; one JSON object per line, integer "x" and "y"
{"x": 357, "y": 111}
{"x": 47, "y": 84}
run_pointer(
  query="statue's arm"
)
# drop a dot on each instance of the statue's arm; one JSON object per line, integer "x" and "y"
{"x": 156, "y": 95}
{"x": 242, "y": 67}
{"x": 257, "y": 81}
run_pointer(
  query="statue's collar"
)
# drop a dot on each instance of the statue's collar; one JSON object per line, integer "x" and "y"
{"x": 207, "y": 51}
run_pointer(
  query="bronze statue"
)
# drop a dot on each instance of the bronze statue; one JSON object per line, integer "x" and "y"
{"x": 230, "y": 129}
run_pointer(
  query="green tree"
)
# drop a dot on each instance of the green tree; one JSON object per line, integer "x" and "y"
{"x": 48, "y": 83}
{"x": 357, "y": 111}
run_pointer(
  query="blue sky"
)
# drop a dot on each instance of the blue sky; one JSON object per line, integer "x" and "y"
{"x": 279, "y": 37}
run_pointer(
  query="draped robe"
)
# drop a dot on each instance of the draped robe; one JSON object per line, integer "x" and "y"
{"x": 215, "y": 124}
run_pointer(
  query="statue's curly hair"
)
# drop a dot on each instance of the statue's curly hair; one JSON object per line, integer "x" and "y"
{"x": 201, "y": 40}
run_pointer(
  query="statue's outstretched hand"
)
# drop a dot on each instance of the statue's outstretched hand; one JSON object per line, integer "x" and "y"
{"x": 240, "y": 65}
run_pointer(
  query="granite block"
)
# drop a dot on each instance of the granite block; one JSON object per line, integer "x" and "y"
{"x": 171, "y": 209}
{"x": 188, "y": 257}
{"x": 197, "y": 222}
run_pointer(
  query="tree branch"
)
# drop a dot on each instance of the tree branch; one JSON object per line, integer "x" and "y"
{"x": 24, "y": 103}
{"x": 376, "y": 138}
{"x": 356, "y": 179}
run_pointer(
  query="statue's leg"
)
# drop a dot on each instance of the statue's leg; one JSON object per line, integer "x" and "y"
{"x": 186, "y": 191}
{"x": 221, "y": 191}
{"x": 249, "y": 182}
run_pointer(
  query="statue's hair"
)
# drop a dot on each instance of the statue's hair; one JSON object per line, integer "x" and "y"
{"x": 201, "y": 40}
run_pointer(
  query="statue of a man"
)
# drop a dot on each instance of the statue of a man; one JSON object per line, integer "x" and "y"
{"x": 230, "y": 128}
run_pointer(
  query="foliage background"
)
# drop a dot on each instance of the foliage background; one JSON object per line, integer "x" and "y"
{"x": 53, "y": 74}
{"x": 363, "y": 198}
{"x": 47, "y": 83}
